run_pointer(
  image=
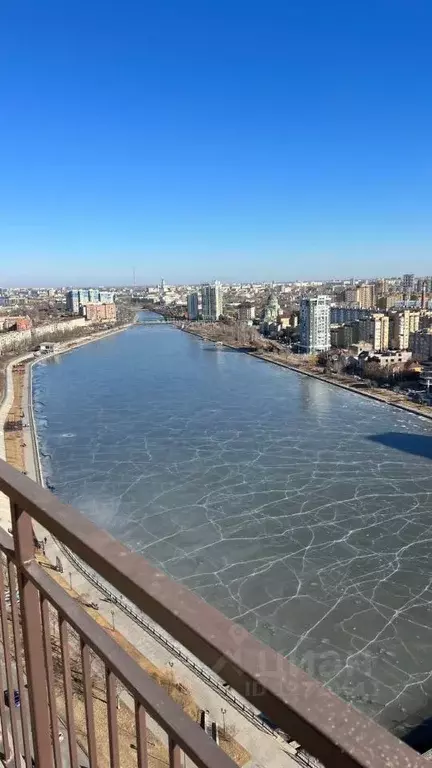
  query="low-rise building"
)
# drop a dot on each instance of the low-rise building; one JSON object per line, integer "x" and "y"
{"x": 46, "y": 347}
{"x": 18, "y": 323}
{"x": 395, "y": 357}
{"x": 357, "y": 349}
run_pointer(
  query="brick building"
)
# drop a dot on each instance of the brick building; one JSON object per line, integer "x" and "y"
{"x": 18, "y": 323}
{"x": 100, "y": 313}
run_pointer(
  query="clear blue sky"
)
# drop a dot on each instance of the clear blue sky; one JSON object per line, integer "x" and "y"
{"x": 198, "y": 139}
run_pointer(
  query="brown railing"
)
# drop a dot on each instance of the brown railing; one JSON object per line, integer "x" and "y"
{"x": 40, "y": 610}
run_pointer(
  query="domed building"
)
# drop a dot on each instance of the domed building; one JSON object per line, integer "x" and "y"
{"x": 271, "y": 309}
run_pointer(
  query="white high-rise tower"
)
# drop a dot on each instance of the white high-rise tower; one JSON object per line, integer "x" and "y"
{"x": 314, "y": 324}
{"x": 212, "y": 301}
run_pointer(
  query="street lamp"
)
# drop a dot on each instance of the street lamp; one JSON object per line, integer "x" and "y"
{"x": 223, "y": 718}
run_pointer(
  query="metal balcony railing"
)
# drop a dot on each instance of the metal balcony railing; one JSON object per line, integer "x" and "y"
{"x": 326, "y": 727}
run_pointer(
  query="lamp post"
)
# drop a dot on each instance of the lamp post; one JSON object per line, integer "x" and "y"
{"x": 223, "y": 710}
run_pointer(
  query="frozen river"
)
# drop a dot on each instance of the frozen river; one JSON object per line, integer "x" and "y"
{"x": 299, "y": 510}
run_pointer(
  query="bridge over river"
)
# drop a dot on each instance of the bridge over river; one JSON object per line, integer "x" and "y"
{"x": 162, "y": 321}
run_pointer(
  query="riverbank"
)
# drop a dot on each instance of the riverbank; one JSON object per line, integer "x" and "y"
{"x": 158, "y": 655}
{"x": 387, "y": 397}
{"x": 221, "y": 462}
{"x": 11, "y": 411}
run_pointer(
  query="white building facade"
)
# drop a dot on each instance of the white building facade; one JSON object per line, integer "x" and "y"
{"x": 315, "y": 324}
{"x": 212, "y": 301}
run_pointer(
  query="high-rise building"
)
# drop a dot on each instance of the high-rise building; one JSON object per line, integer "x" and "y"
{"x": 192, "y": 306}
{"x": 315, "y": 324}
{"x": 381, "y": 287}
{"x": 349, "y": 335}
{"x": 366, "y": 296}
{"x": 379, "y": 332}
{"x": 212, "y": 301}
{"x": 93, "y": 295}
{"x": 414, "y": 321}
{"x": 420, "y": 343}
{"x": 408, "y": 284}
{"x": 425, "y": 319}
{"x": 246, "y": 312}
{"x": 106, "y": 297}
{"x": 336, "y": 335}
{"x": 72, "y": 302}
{"x": 403, "y": 323}
{"x": 387, "y": 302}
{"x": 351, "y": 295}
{"x": 83, "y": 296}
{"x": 347, "y": 314}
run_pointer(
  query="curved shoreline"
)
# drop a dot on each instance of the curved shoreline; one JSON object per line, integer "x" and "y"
{"x": 319, "y": 377}
{"x": 281, "y": 364}
{"x": 8, "y": 398}
{"x": 78, "y": 569}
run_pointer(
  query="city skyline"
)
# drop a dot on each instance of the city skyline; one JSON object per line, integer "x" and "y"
{"x": 318, "y": 281}
{"x": 215, "y": 142}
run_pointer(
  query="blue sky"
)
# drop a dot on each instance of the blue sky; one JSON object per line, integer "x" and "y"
{"x": 228, "y": 139}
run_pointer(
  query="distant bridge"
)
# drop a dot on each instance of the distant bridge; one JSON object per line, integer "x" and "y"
{"x": 162, "y": 321}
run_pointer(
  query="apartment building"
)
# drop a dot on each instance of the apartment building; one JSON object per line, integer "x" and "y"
{"x": 375, "y": 330}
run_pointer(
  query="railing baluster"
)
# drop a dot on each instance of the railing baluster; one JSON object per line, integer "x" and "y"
{"x": 174, "y": 754}
{"x": 67, "y": 682}
{"x": 334, "y": 732}
{"x": 19, "y": 665}
{"x": 32, "y": 636}
{"x": 50, "y": 680}
{"x": 3, "y": 719}
{"x": 9, "y": 674}
{"x": 88, "y": 699}
{"x": 141, "y": 735}
{"x": 111, "y": 685}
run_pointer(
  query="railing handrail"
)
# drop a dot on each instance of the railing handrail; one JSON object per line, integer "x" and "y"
{"x": 137, "y": 681}
{"x": 320, "y": 721}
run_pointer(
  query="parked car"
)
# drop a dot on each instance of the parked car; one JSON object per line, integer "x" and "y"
{"x": 17, "y": 700}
